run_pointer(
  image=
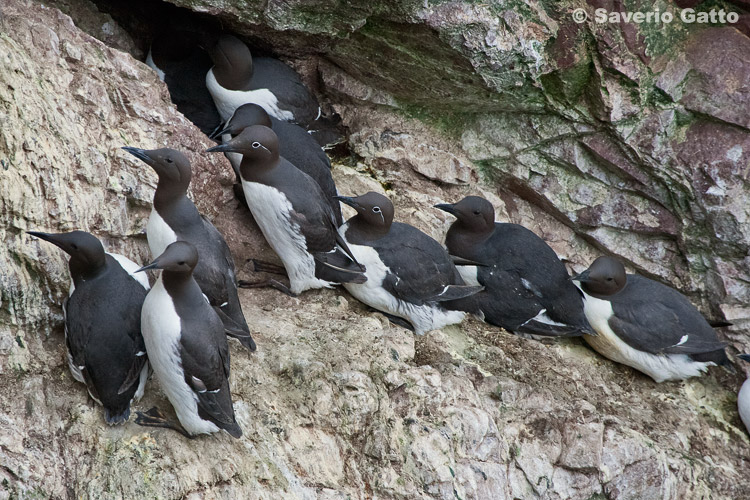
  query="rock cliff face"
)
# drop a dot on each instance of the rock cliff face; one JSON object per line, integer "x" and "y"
{"x": 619, "y": 138}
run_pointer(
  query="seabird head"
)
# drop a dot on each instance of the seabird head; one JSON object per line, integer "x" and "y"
{"x": 473, "y": 213}
{"x": 605, "y": 276}
{"x": 245, "y": 116}
{"x": 258, "y": 143}
{"x": 233, "y": 63}
{"x": 375, "y": 209}
{"x": 179, "y": 257}
{"x": 85, "y": 250}
{"x": 170, "y": 165}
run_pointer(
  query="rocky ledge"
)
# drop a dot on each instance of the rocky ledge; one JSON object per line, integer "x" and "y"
{"x": 598, "y": 137}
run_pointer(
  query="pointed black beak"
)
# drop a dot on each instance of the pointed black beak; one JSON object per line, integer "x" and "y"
{"x": 221, "y": 148}
{"x": 52, "y": 238}
{"x": 583, "y": 277}
{"x": 447, "y": 207}
{"x": 153, "y": 265}
{"x": 746, "y": 357}
{"x": 348, "y": 200}
{"x": 141, "y": 154}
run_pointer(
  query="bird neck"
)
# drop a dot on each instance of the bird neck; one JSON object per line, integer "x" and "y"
{"x": 359, "y": 231}
{"x": 180, "y": 284}
{"x": 234, "y": 77}
{"x": 257, "y": 171}
{"x": 461, "y": 239}
{"x": 85, "y": 271}
{"x": 168, "y": 193}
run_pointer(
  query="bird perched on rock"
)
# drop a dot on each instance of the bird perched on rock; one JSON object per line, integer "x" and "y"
{"x": 179, "y": 61}
{"x": 293, "y": 213}
{"x": 646, "y": 325}
{"x": 527, "y": 288}
{"x": 188, "y": 349}
{"x": 295, "y": 145}
{"x": 743, "y": 398}
{"x": 237, "y": 78}
{"x": 174, "y": 217}
{"x": 103, "y": 323}
{"x": 409, "y": 274}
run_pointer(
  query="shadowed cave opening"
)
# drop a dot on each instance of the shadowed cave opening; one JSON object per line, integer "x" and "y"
{"x": 159, "y": 32}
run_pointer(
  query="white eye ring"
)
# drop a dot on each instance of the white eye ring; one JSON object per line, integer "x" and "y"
{"x": 256, "y": 145}
{"x": 376, "y": 209}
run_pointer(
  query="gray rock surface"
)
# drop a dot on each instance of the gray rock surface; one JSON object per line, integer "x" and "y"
{"x": 631, "y": 155}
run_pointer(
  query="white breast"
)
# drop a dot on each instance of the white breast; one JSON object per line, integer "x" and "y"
{"x": 660, "y": 367}
{"x": 161, "y": 328}
{"x": 743, "y": 404}
{"x": 131, "y": 267}
{"x": 271, "y": 210}
{"x": 227, "y": 101}
{"x": 423, "y": 318}
{"x": 469, "y": 274}
{"x": 150, "y": 62}
{"x": 158, "y": 234}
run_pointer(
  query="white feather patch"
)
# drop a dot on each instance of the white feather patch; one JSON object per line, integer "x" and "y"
{"x": 423, "y": 318}
{"x": 159, "y": 234}
{"x": 162, "y": 329}
{"x": 660, "y": 367}
{"x": 271, "y": 210}
{"x": 227, "y": 101}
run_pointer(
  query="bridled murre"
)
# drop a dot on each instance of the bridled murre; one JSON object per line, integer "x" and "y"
{"x": 103, "y": 323}
{"x": 174, "y": 217}
{"x": 527, "y": 288}
{"x": 293, "y": 214}
{"x": 646, "y": 325}
{"x": 237, "y": 78}
{"x": 295, "y": 145}
{"x": 409, "y": 274}
{"x": 187, "y": 347}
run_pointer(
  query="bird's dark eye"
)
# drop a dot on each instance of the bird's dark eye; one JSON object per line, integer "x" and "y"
{"x": 182, "y": 263}
{"x": 476, "y": 212}
{"x": 169, "y": 160}
{"x": 376, "y": 209}
{"x": 75, "y": 247}
{"x": 609, "y": 279}
{"x": 256, "y": 145}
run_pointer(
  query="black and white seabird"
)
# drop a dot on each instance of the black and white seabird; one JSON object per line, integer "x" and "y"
{"x": 743, "y": 398}
{"x": 409, "y": 274}
{"x": 187, "y": 347}
{"x": 295, "y": 145}
{"x": 527, "y": 288}
{"x": 646, "y": 325}
{"x": 177, "y": 57}
{"x": 237, "y": 78}
{"x": 174, "y": 217}
{"x": 293, "y": 213}
{"x": 103, "y": 323}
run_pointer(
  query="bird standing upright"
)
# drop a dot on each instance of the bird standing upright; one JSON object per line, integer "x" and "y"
{"x": 409, "y": 274}
{"x": 646, "y": 325}
{"x": 174, "y": 217}
{"x": 102, "y": 323}
{"x": 293, "y": 214}
{"x": 188, "y": 349}
{"x": 295, "y": 145}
